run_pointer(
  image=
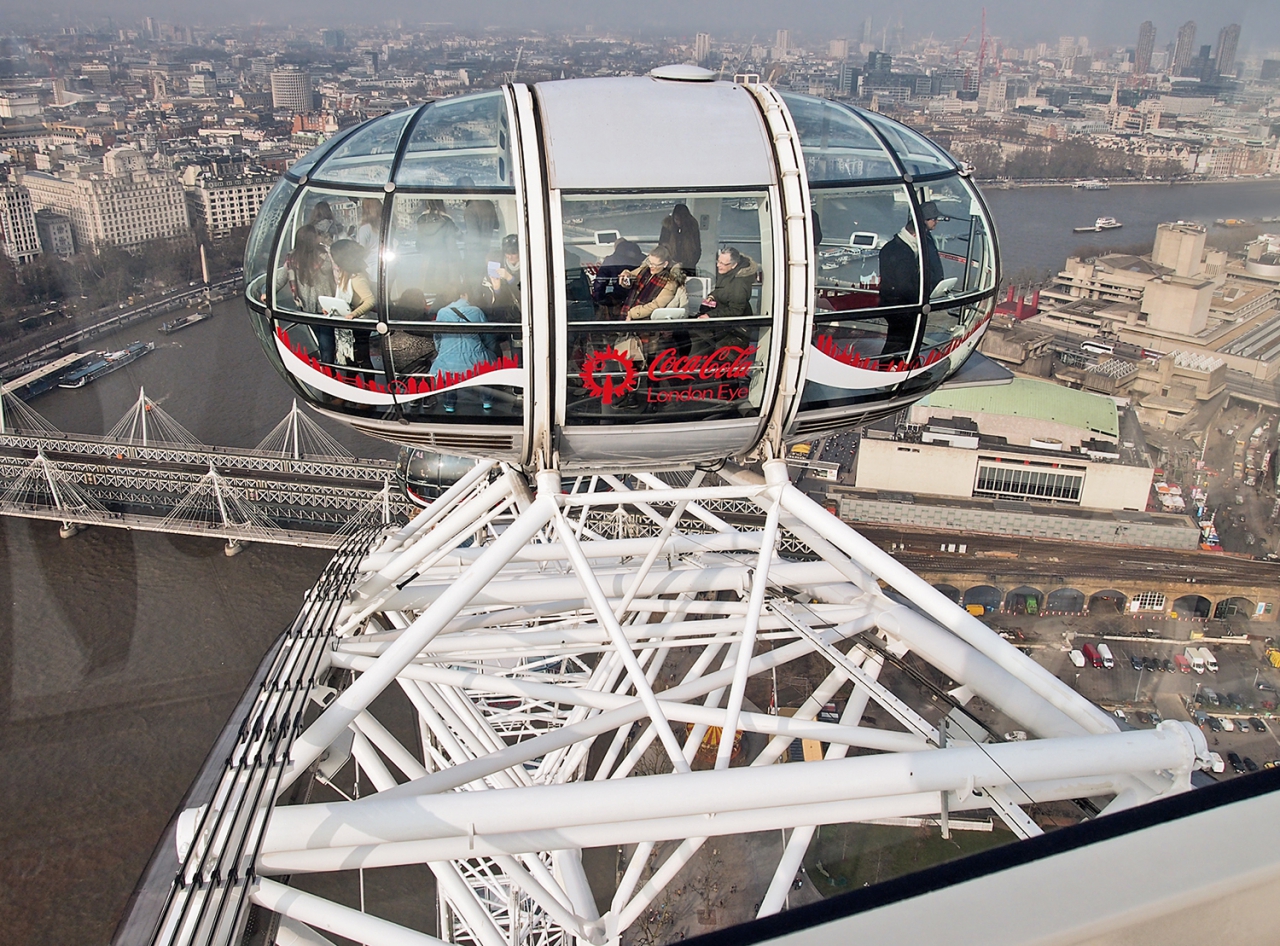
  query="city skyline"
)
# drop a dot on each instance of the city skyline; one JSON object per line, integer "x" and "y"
{"x": 1260, "y": 22}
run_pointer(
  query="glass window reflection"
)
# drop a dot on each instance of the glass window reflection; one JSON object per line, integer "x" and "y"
{"x": 838, "y": 146}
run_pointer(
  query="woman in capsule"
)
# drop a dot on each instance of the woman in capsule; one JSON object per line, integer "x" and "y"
{"x": 353, "y": 298}
{"x": 652, "y": 285}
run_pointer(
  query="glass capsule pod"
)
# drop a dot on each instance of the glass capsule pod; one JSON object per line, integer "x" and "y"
{"x": 654, "y": 270}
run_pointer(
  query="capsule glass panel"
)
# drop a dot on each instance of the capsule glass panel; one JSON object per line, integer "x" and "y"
{"x": 917, "y": 154}
{"x": 838, "y": 145}
{"x": 669, "y": 304}
{"x": 452, "y": 263}
{"x": 364, "y": 157}
{"x": 460, "y": 144}
{"x": 259, "y": 248}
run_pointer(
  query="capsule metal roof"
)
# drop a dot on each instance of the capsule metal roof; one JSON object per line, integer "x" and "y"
{"x": 644, "y": 132}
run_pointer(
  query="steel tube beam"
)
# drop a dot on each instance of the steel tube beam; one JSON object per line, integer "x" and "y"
{"x": 336, "y": 919}
{"x": 1174, "y": 746}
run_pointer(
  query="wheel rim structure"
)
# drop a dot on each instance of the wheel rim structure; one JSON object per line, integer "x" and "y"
{"x": 565, "y": 646}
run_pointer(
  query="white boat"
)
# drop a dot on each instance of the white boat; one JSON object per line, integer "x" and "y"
{"x": 1102, "y": 223}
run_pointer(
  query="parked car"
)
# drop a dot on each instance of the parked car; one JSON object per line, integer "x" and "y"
{"x": 1236, "y": 762}
{"x": 1250, "y": 765}
{"x": 1135, "y": 661}
{"x": 1228, "y": 725}
{"x": 1167, "y": 665}
{"x": 1257, "y": 724}
{"x": 1215, "y": 724}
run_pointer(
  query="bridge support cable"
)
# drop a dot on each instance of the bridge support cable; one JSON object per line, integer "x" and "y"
{"x": 298, "y": 436}
{"x": 217, "y": 504}
{"x": 146, "y": 424}
{"x": 572, "y": 687}
{"x": 15, "y": 416}
{"x": 43, "y": 485}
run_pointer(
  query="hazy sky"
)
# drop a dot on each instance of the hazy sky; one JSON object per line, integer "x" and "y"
{"x": 1105, "y": 22}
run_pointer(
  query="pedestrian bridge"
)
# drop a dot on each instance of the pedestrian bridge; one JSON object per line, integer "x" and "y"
{"x": 298, "y": 487}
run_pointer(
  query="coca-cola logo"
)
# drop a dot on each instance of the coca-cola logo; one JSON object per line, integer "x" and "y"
{"x": 730, "y": 363}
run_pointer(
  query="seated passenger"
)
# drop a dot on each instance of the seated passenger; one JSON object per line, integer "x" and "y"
{"x": 735, "y": 277}
{"x": 681, "y": 234}
{"x": 651, "y": 286}
{"x": 457, "y": 354}
{"x": 411, "y": 351}
{"x": 606, "y": 293}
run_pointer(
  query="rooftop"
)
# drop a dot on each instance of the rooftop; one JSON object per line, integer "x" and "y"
{"x": 1041, "y": 400}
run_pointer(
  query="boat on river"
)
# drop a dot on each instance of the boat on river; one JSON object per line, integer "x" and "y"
{"x": 1102, "y": 223}
{"x": 177, "y": 325}
{"x": 105, "y": 363}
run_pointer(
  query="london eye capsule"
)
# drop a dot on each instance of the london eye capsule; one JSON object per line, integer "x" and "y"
{"x": 659, "y": 270}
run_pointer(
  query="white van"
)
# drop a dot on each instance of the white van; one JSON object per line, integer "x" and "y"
{"x": 1209, "y": 663}
{"x": 1105, "y": 653}
{"x": 1218, "y": 764}
{"x": 1194, "y": 658}
{"x": 1077, "y": 659}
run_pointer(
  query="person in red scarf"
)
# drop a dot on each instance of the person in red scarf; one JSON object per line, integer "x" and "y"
{"x": 652, "y": 285}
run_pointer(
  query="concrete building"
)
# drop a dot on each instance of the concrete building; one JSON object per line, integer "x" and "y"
{"x": 124, "y": 203}
{"x": 1028, "y": 440}
{"x": 291, "y": 89}
{"x": 1146, "y": 44}
{"x": 1228, "y": 40}
{"x": 19, "y": 105}
{"x": 202, "y": 84}
{"x": 55, "y": 233}
{"x": 1184, "y": 50}
{"x": 18, "y": 237}
{"x": 702, "y": 48}
{"x": 225, "y": 203}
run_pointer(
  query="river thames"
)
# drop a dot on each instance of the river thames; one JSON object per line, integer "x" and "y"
{"x": 122, "y": 653}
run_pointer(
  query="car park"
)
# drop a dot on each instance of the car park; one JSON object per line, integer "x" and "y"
{"x": 1236, "y": 762}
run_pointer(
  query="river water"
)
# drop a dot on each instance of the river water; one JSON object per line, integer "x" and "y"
{"x": 121, "y": 653}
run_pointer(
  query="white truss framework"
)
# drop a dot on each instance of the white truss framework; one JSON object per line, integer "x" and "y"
{"x": 563, "y": 675}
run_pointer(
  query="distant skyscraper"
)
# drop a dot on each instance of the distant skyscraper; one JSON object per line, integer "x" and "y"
{"x": 291, "y": 89}
{"x": 1146, "y": 45}
{"x": 838, "y": 49}
{"x": 1228, "y": 40}
{"x": 702, "y": 47}
{"x": 334, "y": 39}
{"x": 18, "y": 238}
{"x": 867, "y": 34}
{"x": 1185, "y": 48}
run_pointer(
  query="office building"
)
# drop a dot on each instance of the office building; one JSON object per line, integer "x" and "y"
{"x": 125, "y": 203}
{"x": 1228, "y": 40}
{"x": 1185, "y": 47}
{"x": 1146, "y": 45}
{"x": 18, "y": 237}
{"x": 291, "y": 89}
{"x": 333, "y": 39}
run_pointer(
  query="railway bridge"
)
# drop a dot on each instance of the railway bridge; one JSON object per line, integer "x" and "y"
{"x": 299, "y": 486}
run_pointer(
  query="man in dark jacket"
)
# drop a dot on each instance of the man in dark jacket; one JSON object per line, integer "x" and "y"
{"x": 900, "y": 276}
{"x": 735, "y": 277}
